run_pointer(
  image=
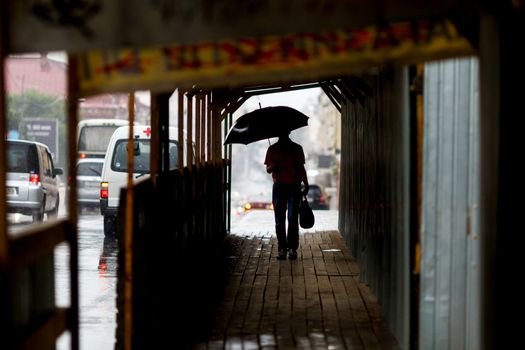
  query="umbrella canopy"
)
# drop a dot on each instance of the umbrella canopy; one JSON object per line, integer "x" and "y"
{"x": 265, "y": 123}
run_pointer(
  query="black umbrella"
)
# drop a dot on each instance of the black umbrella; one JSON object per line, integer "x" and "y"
{"x": 265, "y": 123}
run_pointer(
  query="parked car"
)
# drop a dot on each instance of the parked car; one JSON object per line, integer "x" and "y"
{"x": 317, "y": 198}
{"x": 89, "y": 172}
{"x": 115, "y": 168}
{"x": 31, "y": 183}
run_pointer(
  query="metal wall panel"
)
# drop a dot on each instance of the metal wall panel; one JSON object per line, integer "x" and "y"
{"x": 374, "y": 192}
{"x": 449, "y": 300}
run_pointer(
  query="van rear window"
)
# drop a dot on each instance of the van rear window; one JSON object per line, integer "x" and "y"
{"x": 21, "y": 158}
{"x": 89, "y": 169}
{"x": 95, "y": 138}
{"x": 141, "y": 160}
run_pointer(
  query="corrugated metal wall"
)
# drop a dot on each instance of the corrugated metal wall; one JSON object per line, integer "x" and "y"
{"x": 374, "y": 192}
{"x": 449, "y": 304}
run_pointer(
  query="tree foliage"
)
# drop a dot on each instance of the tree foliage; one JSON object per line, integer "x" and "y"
{"x": 33, "y": 104}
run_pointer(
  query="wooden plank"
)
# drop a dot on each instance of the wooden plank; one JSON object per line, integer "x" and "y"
{"x": 320, "y": 267}
{"x": 27, "y": 246}
{"x": 368, "y": 337}
{"x": 358, "y": 306}
{"x": 299, "y": 324}
{"x": 272, "y": 288}
{"x": 343, "y": 267}
{"x": 222, "y": 319}
{"x": 328, "y": 306}
{"x": 267, "y": 323}
{"x": 344, "y": 310}
{"x": 263, "y": 265}
{"x": 297, "y": 267}
{"x": 245, "y": 288}
{"x": 45, "y": 333}
{"x": 308, "y": 267}
{"x": 331, "y": 267}
{"x": 232, "y": 288}
{"x": 371, "y": 302}
{"x": 254, "y": 311}
{"x": 236, "y": 323}
{"x": 251, "y": 266}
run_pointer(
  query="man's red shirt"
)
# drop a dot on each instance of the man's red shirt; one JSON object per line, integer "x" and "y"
{"x": 288, "y": 159}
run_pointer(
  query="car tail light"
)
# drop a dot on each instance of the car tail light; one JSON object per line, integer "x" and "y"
{"x": 104, "y": 190}
{"x": 34, "y": 179}
{"x": 82, "y": 155}
{"x": 322, "y": 199}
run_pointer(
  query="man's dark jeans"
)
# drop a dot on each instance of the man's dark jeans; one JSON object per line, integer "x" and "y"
{"x": 286, "y": 197}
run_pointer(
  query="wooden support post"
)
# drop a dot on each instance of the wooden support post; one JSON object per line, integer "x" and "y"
{"x": 180, "y": 126}
{"x": 502, "y": 74}
{"x": 128, "y": 233}
{"x": 72, "y": 121}
{"x": 3, "y": 166}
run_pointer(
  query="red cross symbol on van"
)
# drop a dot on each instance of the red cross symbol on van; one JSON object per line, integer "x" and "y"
{"x": 147, "y": 132}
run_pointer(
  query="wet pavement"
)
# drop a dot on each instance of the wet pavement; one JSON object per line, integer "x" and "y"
{"x": 97, "y": 285}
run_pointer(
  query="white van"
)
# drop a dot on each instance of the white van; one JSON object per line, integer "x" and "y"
{"x": 115, "y": 168}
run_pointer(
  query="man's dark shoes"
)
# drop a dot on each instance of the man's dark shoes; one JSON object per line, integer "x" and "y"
{"x": 282, "y": 254}
{"x": 292, "y": 254}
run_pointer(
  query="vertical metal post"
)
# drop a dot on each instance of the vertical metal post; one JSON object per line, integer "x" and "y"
{"x": 230, "y": 120}
{"x": 155, "y": 152}
{"x": 128, "y": 233}
{"x": 163, "y": 105}
{"x": 217, "y": 137}
{"x": 189, "y": 131}
{"x": 203, "y": 129}
{"x": 198, "y": 110}
{"x": 209, "y": 127}
{"x": 180, "y": 141}
{"x": 72, "y": 117}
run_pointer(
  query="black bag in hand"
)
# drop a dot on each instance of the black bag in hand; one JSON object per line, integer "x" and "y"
{"x": 306, "y": 216}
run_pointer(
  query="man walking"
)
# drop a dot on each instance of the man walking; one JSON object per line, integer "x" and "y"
{"x": 285, "y": 161}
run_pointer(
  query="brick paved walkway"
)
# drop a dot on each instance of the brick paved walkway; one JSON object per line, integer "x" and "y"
{"x": 314, "y": 302}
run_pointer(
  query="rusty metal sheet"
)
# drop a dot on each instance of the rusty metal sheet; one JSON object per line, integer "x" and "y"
{"x": 256, "y": 60}
{"x": 374, "y": 200}
{"x": 79, "y": 25}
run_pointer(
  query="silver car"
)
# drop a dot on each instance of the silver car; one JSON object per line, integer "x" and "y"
{"x": 32, "y": 184}
{"x": 89, "y": 171}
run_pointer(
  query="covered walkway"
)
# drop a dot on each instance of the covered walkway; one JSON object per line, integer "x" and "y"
{"x": 314, "y": 302}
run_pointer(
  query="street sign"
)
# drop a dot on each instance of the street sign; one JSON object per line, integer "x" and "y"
{"x": 41, "y": 130}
